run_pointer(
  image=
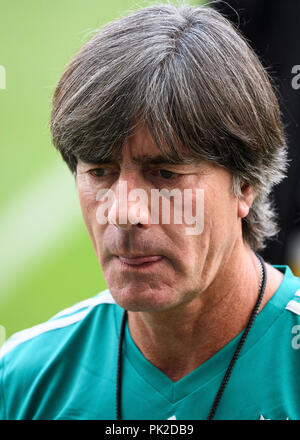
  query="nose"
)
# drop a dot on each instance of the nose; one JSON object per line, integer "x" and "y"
{"x": 131, "y": 204}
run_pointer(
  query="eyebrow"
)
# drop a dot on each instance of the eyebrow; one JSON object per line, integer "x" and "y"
{"x": 147, "y": 159}
{"x": 142, "y": 160}
{"x": 155, "y": 160}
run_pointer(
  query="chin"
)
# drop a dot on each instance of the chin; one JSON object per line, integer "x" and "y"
{"x": 139, "y": 300}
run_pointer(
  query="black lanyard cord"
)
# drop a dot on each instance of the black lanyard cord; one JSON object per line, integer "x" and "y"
{"x": 231, "y": 364}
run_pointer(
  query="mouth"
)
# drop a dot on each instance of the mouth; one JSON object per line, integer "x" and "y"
{"x": 139, "y": 262}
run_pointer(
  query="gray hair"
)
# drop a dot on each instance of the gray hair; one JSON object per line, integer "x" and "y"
{"x": 193, "y": 79}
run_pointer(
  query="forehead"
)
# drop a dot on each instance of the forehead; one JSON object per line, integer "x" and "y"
{"x": 140, "y": 148}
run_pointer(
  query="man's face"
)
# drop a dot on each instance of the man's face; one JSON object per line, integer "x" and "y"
{"x": 177, "y": 267}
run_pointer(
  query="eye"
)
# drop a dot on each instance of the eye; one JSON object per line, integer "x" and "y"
{"x": 166, "y": 174}
{"x": 98, "y": 172}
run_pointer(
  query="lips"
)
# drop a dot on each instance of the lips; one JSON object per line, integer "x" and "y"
{"x": 140, "y": 260}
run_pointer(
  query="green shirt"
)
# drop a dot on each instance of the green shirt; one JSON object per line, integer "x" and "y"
{"x": 65, "y": 368}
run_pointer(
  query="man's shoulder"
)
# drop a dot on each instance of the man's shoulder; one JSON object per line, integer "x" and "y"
{"x": 290, "y": 285}
{"x": 49, "y": 355}
{"x": 287, "y": 296}
{"x": 52, "y": 332}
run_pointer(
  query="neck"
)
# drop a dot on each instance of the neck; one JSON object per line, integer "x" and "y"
{"x": 180, "y": 339}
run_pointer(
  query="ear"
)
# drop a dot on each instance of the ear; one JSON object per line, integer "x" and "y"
{"x": 246, "y": 199}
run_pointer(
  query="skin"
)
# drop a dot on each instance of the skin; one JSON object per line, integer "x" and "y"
{"x": 185, "y": 307}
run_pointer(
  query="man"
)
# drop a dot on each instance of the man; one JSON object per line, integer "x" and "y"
{"x": 194, "y": 325}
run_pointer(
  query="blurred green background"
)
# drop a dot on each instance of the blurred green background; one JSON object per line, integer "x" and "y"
{"x": 47, "y": 260}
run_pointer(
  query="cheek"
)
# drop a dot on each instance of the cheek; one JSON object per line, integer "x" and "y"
{"x": 221, "y": 223}
{"x": 220, "y": 218}
{"x": 88, "y": 203}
